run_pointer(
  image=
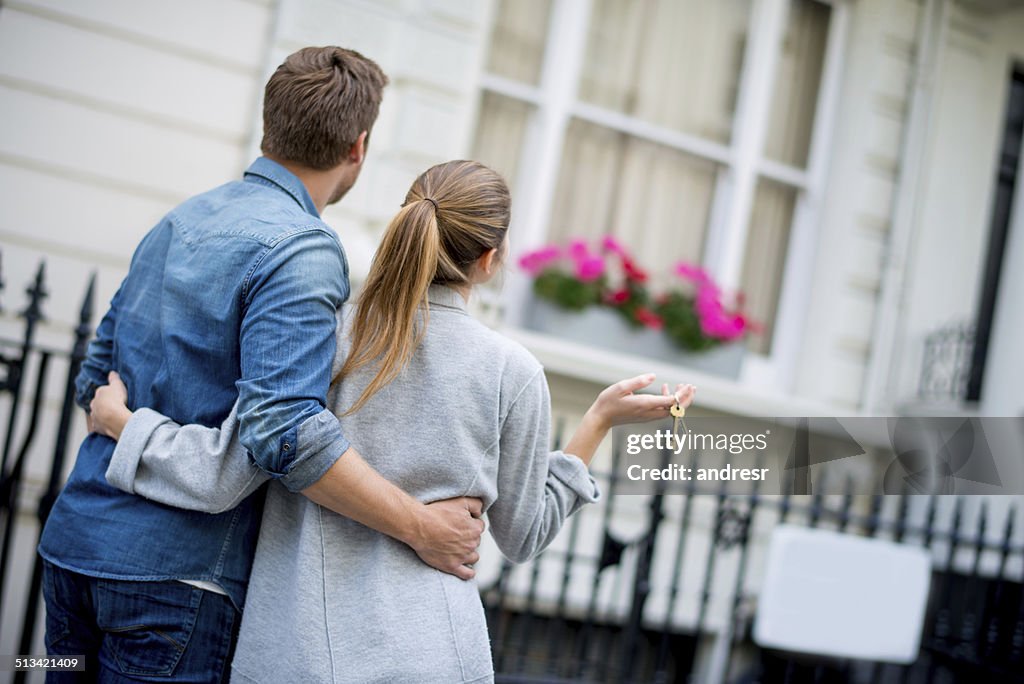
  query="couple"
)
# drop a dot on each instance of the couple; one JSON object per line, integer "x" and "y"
{"x": 240, "y": 365}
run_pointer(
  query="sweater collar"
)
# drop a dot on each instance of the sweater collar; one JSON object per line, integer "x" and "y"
{"x": 442, "y": 295}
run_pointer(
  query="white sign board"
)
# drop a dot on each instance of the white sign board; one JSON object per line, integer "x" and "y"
{"x": 834, "y": 594}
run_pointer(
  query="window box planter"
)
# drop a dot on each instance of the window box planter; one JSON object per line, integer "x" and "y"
{"x": 601, "y": 327}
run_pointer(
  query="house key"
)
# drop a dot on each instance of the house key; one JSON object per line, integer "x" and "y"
{"x": 678, "y": 411}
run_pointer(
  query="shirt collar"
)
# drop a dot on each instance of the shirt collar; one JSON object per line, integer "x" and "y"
{"x": 442, "y": 295}
{"x": 268, "y": 172}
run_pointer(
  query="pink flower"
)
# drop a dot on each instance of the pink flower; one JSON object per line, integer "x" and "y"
{"x": 723, "y": 327}
{"x": 693, "y": 273}
{"x": 612, "y": 245}
{"x": 578, "y": 250}
{"x": 534, "y": 262}
{"x": 589, "y": 268}
{"x": 707, "y": 303}
{"x": 715, "y": 321}
{"x": 720, "y": 324}
{"x": 529, "y": 264}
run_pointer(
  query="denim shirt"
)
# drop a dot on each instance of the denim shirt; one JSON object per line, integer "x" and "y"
{"x": 232, "y": 296}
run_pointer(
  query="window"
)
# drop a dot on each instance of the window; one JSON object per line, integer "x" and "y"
{"x": 688, "y": 128}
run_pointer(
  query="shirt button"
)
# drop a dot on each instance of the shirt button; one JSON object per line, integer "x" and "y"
{"x": 287, "y": 447}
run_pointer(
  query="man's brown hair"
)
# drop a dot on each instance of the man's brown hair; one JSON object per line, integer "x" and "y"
{"x": 317, "y": 103}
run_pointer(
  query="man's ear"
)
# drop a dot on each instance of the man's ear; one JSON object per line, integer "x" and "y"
{"x": 357, "y": 153}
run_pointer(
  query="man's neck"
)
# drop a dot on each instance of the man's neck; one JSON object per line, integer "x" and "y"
{"x": 321, "y": 185}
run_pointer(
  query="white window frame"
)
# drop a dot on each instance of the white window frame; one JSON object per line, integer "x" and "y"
{"x": 742, "y": 163}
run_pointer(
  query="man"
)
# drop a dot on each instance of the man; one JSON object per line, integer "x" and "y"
{"x": 233, "y": 295}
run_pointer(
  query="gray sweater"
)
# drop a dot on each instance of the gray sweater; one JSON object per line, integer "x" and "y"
{"x": 330, "y": 600}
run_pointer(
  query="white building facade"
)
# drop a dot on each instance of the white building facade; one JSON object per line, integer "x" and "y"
{"x": 836, "y": 161}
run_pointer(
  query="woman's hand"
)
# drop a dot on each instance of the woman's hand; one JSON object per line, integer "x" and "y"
{"x": 109, "y": 408}
{"x": 618, "y": 405}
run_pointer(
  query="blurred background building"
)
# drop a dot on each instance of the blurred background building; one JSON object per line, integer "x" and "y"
{"x": 850, "y": 165}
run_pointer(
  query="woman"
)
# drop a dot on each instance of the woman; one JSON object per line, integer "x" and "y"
{"x": 439, "y": 404}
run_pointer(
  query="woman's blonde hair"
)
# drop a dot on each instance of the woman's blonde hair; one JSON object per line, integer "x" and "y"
{"x": 452, "y": 215}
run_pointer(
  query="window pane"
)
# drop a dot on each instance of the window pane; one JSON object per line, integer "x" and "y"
{"x": 654, "y": 199}
{"x": 765, "y": 258}
{"x": 500, "y": 132}
{"x": 517, "y": 43}
{"x": 797, "y": 82}
{"x": 673, "y": 63}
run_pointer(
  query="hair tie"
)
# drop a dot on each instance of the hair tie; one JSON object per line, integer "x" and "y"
{"x": 428, "y": 199}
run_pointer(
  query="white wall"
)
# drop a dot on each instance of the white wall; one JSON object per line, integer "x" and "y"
{"x": 945, "y": 267}
{"x": 882, "y": 177}
{"x": 858, "y": 203}
{"x": 114, "y": 111}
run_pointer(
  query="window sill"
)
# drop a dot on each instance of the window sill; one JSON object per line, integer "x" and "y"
{"x": 939, "y": 408}
{"x": 602, "y": 367}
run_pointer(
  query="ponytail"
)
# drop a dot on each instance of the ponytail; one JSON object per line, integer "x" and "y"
{"x": 453, "y": 214}
{"x": 385, "y": 326}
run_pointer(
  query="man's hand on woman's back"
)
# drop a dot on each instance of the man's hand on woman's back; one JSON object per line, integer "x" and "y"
{"x": 450, "y": 534}
{"x": 445, "y": 534}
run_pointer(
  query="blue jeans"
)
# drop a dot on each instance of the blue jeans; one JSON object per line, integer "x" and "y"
{"x": 138, "y": 631}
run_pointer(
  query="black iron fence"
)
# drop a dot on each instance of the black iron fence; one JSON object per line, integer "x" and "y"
{"x": 974, "y": 625}
{"x": 672, "y": 599}
{"x": 25, "y": 368}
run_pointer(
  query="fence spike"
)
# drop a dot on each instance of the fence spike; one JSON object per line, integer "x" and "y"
{"x": 929, "y": 522}
{"x": 85, "y": 315}
{"x": 982, "y": 519}
{"x": 36, "y": 294}
{"x": 1006, "y": 547}
{"x": 611, "y": 552}
{"x": 83, "y": 331}
{"x": 1011, "y": 519}
{"x": 958, "y": 514}
{"x": 901, "y": 518}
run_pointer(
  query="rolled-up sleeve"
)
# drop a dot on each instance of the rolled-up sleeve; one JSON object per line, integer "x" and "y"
{"x": 287, "y": 340}
{"x": 537, "y": 488}
{"x": 186, "y": 466}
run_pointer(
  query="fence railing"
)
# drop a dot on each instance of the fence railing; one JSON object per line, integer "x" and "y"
{"x": 641, "y": 588}
{"x": 974, "y": 626}
{"x": 25, "y": 392}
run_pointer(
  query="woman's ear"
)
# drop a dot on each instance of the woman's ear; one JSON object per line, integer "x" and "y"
{"x": 487, "y": 264}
